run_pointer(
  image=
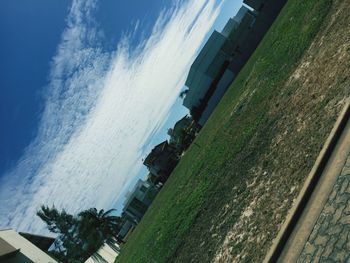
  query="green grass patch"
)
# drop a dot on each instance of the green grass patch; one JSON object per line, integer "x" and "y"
{"x": 174, "y": 226}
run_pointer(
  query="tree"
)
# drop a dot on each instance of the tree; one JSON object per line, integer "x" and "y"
{"x": 57, "y": 222}
{"x": 63, "y": 224}
{"x": 82, "y": 235}
{"x": 105, "y": 226}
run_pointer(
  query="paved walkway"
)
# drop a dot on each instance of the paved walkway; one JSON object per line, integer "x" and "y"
{"x": 322, "y": 233}
{"x": 330, "y": 238}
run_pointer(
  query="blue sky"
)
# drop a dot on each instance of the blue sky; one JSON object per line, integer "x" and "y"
{"x": 87, "y": 88}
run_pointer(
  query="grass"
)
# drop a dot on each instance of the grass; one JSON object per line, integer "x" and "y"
{"x": 188, "y": 221}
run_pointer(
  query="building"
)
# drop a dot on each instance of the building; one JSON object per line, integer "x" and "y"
{"x": 268, "y": 7}
{"x": 14, "y": 248}
{"x": 159, "y": 181}
{"x": 217, "y": 64}
{"x": 253, "y": 26}
{"x": 204, "y": 69}
{"x": 138, "y": 201}
{"x": 42, "y": 242}
{"x": 127, "y": 227}
{"x": 255, "y": 4}
{"x": 135, "y": 206}
{"x": 208, "y": 78}
{"x": 162, "y": 160}
{"x": 224, "y": 55}
{"x": 106, "y": 254}
{"x": 267, "y": 11}
{"x": 180, "y": 132}
{"x": 241, "y": 42}
{"x": 230, "y": 26}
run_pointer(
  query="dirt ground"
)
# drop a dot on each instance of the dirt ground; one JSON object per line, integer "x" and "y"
{"x": 306, "y": 109}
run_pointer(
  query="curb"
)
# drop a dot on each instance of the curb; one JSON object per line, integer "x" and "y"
{"x": 311, "y": 181}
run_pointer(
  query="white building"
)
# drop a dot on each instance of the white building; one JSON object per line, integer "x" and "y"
{"x": 210, "y": 64}
{"x": 16, "y": 249}
{"x": 216, "y": 66}
{"x": 204, "y": 69}
{"x": 106, "y": 254}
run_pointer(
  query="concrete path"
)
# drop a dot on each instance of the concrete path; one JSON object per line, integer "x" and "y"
{"x": 322, "y": 233}
{"x": 317, "y": 228}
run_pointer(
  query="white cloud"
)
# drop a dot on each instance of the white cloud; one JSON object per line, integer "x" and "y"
{"x": 100, "y": 111}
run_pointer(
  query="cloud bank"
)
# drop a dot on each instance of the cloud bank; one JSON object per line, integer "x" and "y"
{"x": 100, "y": 110}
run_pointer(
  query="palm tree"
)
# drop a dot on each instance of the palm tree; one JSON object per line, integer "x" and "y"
{"x": 95, "y": 227}
{"x": 79, "y": 236}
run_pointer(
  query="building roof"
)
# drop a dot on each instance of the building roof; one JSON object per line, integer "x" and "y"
{"x": 241, "y": 13}
{"x": 178, "y": 128}
{"x": 25, "y": 247}
{"x": 42, "y": 242}
{"x": 181, "y": 123}
{"x": 6, "y": 249}
{"x": 155, "y": 152}
{"x": 255, "y": 4}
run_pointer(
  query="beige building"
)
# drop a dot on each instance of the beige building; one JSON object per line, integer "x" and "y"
{"x": 106, "y": 254}
{"x": 14, "y": 248}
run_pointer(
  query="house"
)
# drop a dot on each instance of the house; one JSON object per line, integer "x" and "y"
{"x": 179, "y": 135}
{"x": 135, "y": 206}
{"x": 162, "y": 159}
{"x": 15, "y": 248}
{"x": 127, "y": 227}
{"x": 138, "y": 201}
{"x": 158, "y": 181}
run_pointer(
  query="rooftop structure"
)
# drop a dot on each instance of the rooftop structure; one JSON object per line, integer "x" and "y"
{"x": 42, "y": 242}
{"x": 242, "y": 12}
{"x": 177, "y": 132}
{"x": 162, "y": 159}
{"x": 268, "y": 10}
{"x": 15, "y": 248}
{"x": 255, "y": 4}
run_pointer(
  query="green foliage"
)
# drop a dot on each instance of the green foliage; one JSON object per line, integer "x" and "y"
{"x": 95, "y": 227}
{"x": 56, "y": 221}
{"x": 197, "y": 182}
{"x": 82, "y": 235}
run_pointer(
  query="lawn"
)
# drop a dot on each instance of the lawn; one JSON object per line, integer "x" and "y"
{"x": 232, "y": 189}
